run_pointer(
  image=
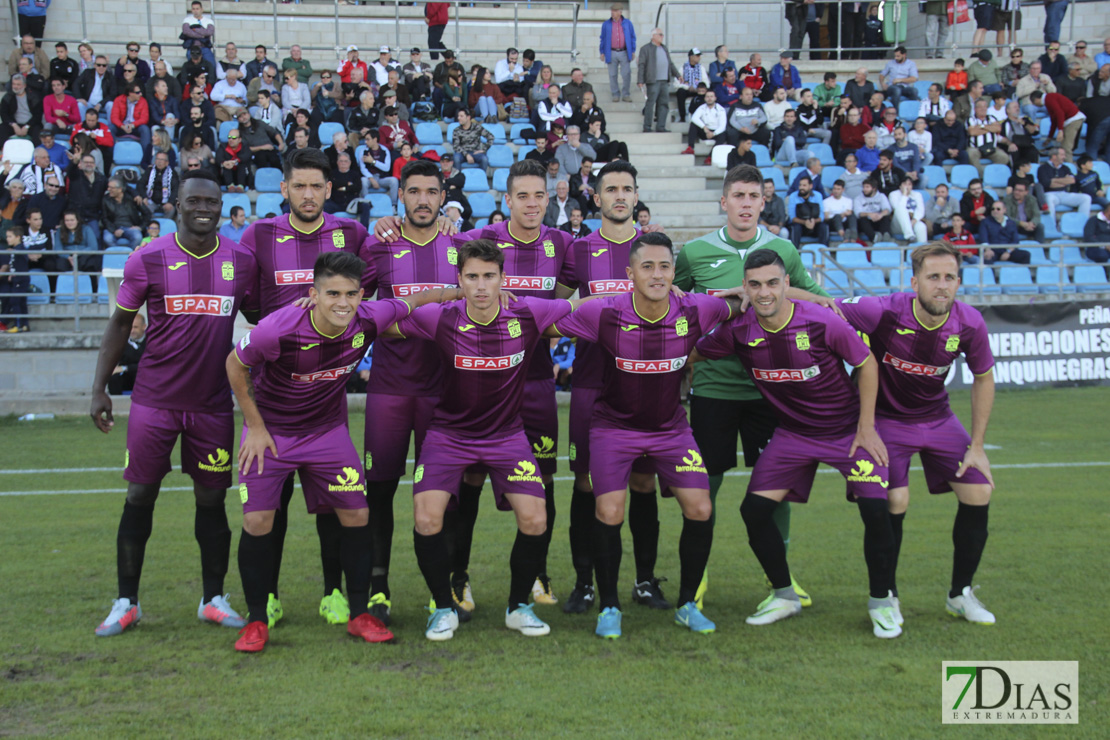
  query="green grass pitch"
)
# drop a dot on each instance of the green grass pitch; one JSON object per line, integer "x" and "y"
{"x": 820, "y": 675}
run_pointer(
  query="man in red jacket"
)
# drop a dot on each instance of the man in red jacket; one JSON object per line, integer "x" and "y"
{"x": 435, "y": 15}
{"x": 1067, "y": 119}
{"x": 130, "y": 119}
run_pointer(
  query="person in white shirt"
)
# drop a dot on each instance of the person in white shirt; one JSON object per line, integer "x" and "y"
{"x": 997, "y": 109}
{"x": 384, "y": 63}
{"x": 908, "y": 211}
{"x": 266, "y": 111}
{"x": 229, "y": 95}
{"x": 935, "y": 105}
{"x": 776, "y": 108}
{"x": 922, "y": 138}
{"x": 508, "y": 74}
{"x": 709, "y": 121}
{"x": 839, "y": 214}
{"x": 156, "y": 56}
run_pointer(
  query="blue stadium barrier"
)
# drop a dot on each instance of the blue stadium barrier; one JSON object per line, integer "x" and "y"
{"x": 970, "y": 281}
{"x": 1048, "y": 279}
{"x": 1091, "y": 279}
{"x": 1016, "y": 280}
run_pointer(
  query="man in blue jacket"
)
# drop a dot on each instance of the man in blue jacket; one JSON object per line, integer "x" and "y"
{"x": 998, "y": 228}
{"x": 618, "y": 49}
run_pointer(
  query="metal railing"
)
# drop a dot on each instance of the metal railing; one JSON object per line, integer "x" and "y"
{"x": 65, "y": 304}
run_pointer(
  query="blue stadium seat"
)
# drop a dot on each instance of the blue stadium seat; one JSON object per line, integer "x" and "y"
{"x": 482, "y": 205}
{"x": 830, "y": 174}
{"x": 851, "y": 254}
{"x": 900, "y": 279}
{"x": 522, "y": 152}
{"x": 593, "y": 223}
{"x": 235, "y": 199}
{"x": 889, "y": 257}
{"x": 497, "y": 130}
{"x": 996, "y": 176}
{"x": 127, "y": 152}
{"x": 41, "y": 284}
{"x": 1103, "y": 170}
{"x": 962, "y": 174}
{"x": 922, "y": 87}
{"x": 500, "y": 155}
{"x": 65, "y": 289}
{"x": 823, "y": 152}
{"x": 328, "y": 130}
{"x": 268, "y": 180}
{"x": 380, "y": 205}
{"x": 970, "y": 281}
{"x": 344, "y": 214}
{"x": 451, "y": 130}
{"x": 516, "y": 131}
{"x": 873, "y": 280}
{"x": 794, "y": 172}
{"x": 115, "y": 258}
{"x": 268, "y": 203}
{"x": 762, "y": 156}
{"x": 907, "y": 111}
{"x": 1016, "y": 280}
{"x": 1036, "y": 252}
{"x": 501, "y": 180}
{"x": 1091, "y": 278}
{"x": 836, "y": 283}
{"x": 168, "y": 226}
{"x": 936, "y": 175}
{"x": 226, "y": 128}
{"x": 808, "y": 258}
{"x": 475, "y": 181}
{"x": 439, "y": 149}
{"x": 428, "y": 133}
{"x": 1071, "y": 224}
{"x": 102, "y": 292}
{"x": 1048, "y": 279}
{"x": 1070, "y": 254}
{"x": 401, "y": 209}
{"x": 775, "y": 175}
{"x": 1050, "y": 230}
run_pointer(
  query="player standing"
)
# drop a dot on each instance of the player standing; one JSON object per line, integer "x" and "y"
{"x": 286, "y": 247}
{"x": 724, "y": 402}
{"x": 193, "y": 283}
{"x": 643, "y": 339}
{"x": 406, "y": 376}
{"x": 794, "y": 351}
{"x": 601, "y": 267}
{"x": 295, "y": 420}
{"x": 917, "y": 336}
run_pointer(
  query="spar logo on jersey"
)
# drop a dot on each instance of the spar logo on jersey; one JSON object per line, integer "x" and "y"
{"x": 717, "y": 291}
{"x": 348, "y": 481}
{"x": 200, "y": 305}
{"x": 529, "y": 282}
{"x": 403, "y": 290}
{"x": 864, "y": 472}
{"x": 293, "y": 277}
{"x": 220, "y": 462}
{"x": 334, "y": 374}
{"x": 338, "y": 240}
{"x": 693, "y": 463}
{"x": 548, "y": 248}
{"x": 544, "y": 449}
{"x": 504, "y": 362}
{"x": 650, "y": 367}
{"x": 915, "y": 368}
{"x": 786, "y": 375}
{"x": 598, "y": 287}
{"x": 525, "y": 472}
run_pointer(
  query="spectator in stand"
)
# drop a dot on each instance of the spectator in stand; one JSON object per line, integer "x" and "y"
{"x": 939, "y": 211}
{"x": 975, "y": 205}
{"x": 352, "y": 91}
{"x": 950, "y": 140}
{"x": 654, "y": 73}
{"x": 693, "y": 74}
{"x": 1035, "y": 81}
{"x": 573, "y": 90}
{"x": 936, "y": 27}
{"x": 728, "y": 90}
{"x": 1086, "y": 61}
{"x": 233, "y": 162}
{"x": 96, "y": 88}
{"x": 296, "y": 62}
{"x": 789, "y": 139}
{"x": 339, "y": 144}
{"x": 453, "y": 94}
{"x": 15, "y": 261}
{"x": 131, "y": 59}
{"x": 199, "y": 30}
{"x": 1021, "y": 206}
{"x": 997, "y": 109}
{"x": 1060, "y": 185}
{"x": 812, "y": 170}
{"x": 720, "y": 65}
{"x": 851, "y": 133}
{"x": 470, "y": 142}
{"x": 746, "y": 119}
{"x": 606, "y": 149}
{"x": 934, "y": 106}
{"x": 1103, "y": 57}
{"x": 806, "y": 212}
{"x": 956, "y": 81}
{"x": 804, "y": 19}
{"x": 267, "y": 81}
{"x": 776, "y": 108}
{"x": 160, "y": 141}
{"x": 547, "y": 111}
{"x": 1067, "y": 120}
{"x": 884, "y": 126}
{"x": 544, "y": 80}
{"x": 100, "y": 136}
{"x": 827, "y": 95}
{"x": 262, "y": 140}
{"x": 131, "y": 119}
{"x": 124, "y": 216}
{"x": 440, "y": 74}
{"x": 1016, "y": 137}
{"x": 1073, "y": 85}
{"x": 488, "y": 99}
{"x": 785, "y": 76}
{"x": 1088, "y": 181}
{"x": 839, "y": 215}
{"x": 508, "y": 74}
{"x": 982, "y": 134}
{"x": 255, "y": 66}
{"x": 773, "y": 215}
{"x": 960, "y": 237}
{"x": 741, "y": 154}
{"x": 59, "y": 155}
{"x": 531, "y": 66}
{"x": 197, "y": 149}
{"x": 1024, "y": 174}
{"x": 34, "y": 173}
{"x": 364, "y": 118}
{"x": 908, "y": 212}
{"x": 869, "y": 153}
{"x": 165, "y": 111}
{"x": 229, "y": 96}
{"x": 234, "y": 228}
{"x": 898, "y": 78}
{"x": 74, "y": 236}
{"x": 266, "y": 110}
{"x": 753, "y": 75}
{"x": 351, "y": 63}
{"x": 708, "y": 122}
{"x": 542, "y": 153}
{"x": 231, "y": 59}
{"x": 435, "y": 17}
{"x": 59, "y": 109}
{"x": 50, "y": 203}
{"x": 617, "y": 49}
{"x": 583, "y": 186}
{"x": 295, "y": 95}
{"x": 809, "y": 117}
{"x": 571, "y": 154}
{"x": 574, "y": 226}
{"x": 158, "y": 187}
{"x": 873, "y": 211}
{"x": 393, "y": 83}
{"x": 559, "y": 207}
{"x": 922, "y": 138}
{"x": 28, "y": 48}
{"x": 418, "y": 76}
{"x": 346, "y": 184}
{"x": 87, "y": 188}
{"x": 1013, "y": 72}
{"x": 404, "y": 156}
{"x": 20, "y": 112}
{"x": 453, "y": 182}
{"x": 999, "y": 229}
{"x": 887, "y": 177}
{"x": 985, "y": 71}
{"x": 585, "y": 111}
{"x": 1097, "y": 231}
{"x": 860, "y": 89}
{"x": 1097, "y": 107}
{"x": 196, "y": 125}
{"x": 376, "y": 166}
{"x": 907, "y": 157}
{"x": 394, "y": 132}
{"x": 196, "y": 64}
{"x": 86, "y": 59}
{"x": 1053, "y": 62}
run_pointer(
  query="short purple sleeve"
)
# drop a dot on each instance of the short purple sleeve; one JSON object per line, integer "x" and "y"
{"x": 568, "y": 275}
{"x": 862, "y": 312}
{"x": 370, "y": 276}
{"x": 421, "y": 323}
{"x": 261, "y": 344}
{"x": 584, "y": 321}
{"x": 546, "y": 312}
{"x": 717, "y": 344}
{"x": 382, "y": 314}
{"x": 133, "y": 289}
{"x": 711, "y": 310}
{"x": 845, "y": 343}
{"x": 977, "y": 348}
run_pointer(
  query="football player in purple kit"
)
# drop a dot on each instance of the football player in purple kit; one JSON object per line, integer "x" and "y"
{"x": 601, "y": 267}
{"x": 193, "y": 283}
{"x": 794, "y": 352}
{"x": 295, "y": 420}
{"x": 405, "y": 377}
{"x": 485, "y": 349}
{"x": 286, "y": 247}
{"x": 644, "y": 338}
{"x": 916, "y": 337}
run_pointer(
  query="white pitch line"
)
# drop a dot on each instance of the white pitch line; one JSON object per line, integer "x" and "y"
{"x": 408, "y": 481}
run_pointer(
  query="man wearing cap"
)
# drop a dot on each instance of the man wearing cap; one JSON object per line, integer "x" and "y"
{"x": 785, "y": 75}
{"x": 508, "y": 74}
{"x": 618, "y": 46}
{"x": 418, "y": 76}
{"x": 383, "y": 64}
{"x": 351, "y": 63}
{"x": 986, "y": 71}
{"x": 654, "y": 71}
{"x": 693, "y": 74}
{"x": 395, "y": 132}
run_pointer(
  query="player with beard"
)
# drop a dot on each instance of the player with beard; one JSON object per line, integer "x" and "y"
{"x": 917, "y": 337}
{"x": 193, "y": 283}
{"x": 286, "y": 248}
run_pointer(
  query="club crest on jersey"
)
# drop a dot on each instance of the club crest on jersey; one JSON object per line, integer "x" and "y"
{"x": 358, "y": 341}
{"x": 953, "y": 343}
{"x": 694, "y": 463}
{"x": 243, "y": 493}
{"x": 418, "y": 474}
{"x": 504, "y": 362}
{"x": 802, "y": 340}
{"x": 514, "y": 328}
{"x": 338, "y": 239}
{"x": 649, "y": 367}
{"x": 682, "y": 327}
{"x": 548, "y": 248}
{"x": 227, "y": 269}
{"x": 203, "y": 305}
{"x": 452, "y": 256}
{"x": 524, "y": 472}
{"x": 573, "y": 451}
{"x": 369, "y": 461}
{"x": 786, "y": 375}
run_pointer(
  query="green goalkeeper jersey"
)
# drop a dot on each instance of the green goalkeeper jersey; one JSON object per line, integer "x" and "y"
{"x": 715, "y": 263}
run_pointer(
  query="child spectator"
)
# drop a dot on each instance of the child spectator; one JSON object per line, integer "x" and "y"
{"x": 955, "y": 84}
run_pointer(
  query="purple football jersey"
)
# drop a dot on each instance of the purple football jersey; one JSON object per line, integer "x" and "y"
{"x": 286, "y": 255}
{"x": 599, "y": 268}
{"x": 484, "y": 365}
{"x": 914, "y": 361}
{"x": 191, "y": 305}
{"x": 409, "y": 367}
{"x": 643, "y": 361}
{"x": 301, "y": 377}
{"x": 534, "y": 268}
{"x": 799, "y": 368}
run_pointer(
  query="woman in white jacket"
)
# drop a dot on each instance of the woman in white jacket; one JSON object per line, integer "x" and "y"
{"x": 909, "y": 211}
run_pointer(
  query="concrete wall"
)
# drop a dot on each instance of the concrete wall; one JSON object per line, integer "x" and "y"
{"x": 47, "y": 370}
